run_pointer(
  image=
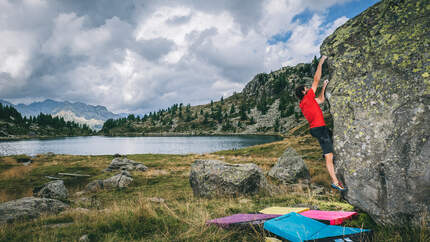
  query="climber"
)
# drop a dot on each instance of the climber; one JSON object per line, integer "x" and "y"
{"x": 309, "y": 104}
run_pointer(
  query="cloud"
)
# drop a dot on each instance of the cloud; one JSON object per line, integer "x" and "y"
{"x": 135, "y": 56}
{"x": 303, "y": 43}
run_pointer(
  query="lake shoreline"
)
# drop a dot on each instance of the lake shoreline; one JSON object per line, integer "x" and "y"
{"x": 27, "y": 137}
{"x": 194, "y": 135}
{"x": 109, "y": 145}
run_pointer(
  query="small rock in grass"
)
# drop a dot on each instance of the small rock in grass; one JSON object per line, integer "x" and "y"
{"x": 120, "y": 180}
{"x": 156, "y": 200}
{"x": 81, "y": 210}
{"x": 53, "y": 189}
{"x": 122, "y": 163}
{"x": 84, "y": 238}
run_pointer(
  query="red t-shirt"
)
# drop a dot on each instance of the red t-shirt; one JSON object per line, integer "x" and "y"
{"x": 311, "y": 110}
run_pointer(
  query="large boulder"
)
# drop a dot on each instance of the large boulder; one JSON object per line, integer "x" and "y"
{"x": 122, "y": 163}
{"x": 53, "y": 189}
{"x": 380, "y": 102}
{"x": 210, "y": 178}
{"x": 29, "y": 207}
{"x": 290, "y": 168}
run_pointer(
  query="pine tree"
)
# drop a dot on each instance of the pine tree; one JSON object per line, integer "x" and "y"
{"x": 242, "y": 112}
{"x": 232, "y": 109}
{"x": 239, "y": 124}
{"x": 206, "y": 117}
{"x": 218, "y": 114}
{"x": 262, "y": 105}
{"x": 188, "y": 108}
{"x": 276, "y": 125}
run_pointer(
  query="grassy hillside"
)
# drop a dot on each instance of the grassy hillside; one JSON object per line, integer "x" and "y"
{"x": 130, "y": 215}
{"x": 267, "y": 105}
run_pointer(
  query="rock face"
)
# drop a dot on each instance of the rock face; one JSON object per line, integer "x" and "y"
{"x": 122, "y": 163}
{"x": 380, "y": 101}
{"x": 290, "y": 168}
{"x": 210, "y": 178}
{"x": 120, "y": 180}
{"x": 29, "y": 207}
{"x": 54, "y": 190}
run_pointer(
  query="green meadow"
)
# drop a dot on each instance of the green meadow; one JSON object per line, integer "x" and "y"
{"x": 137, "y": 214}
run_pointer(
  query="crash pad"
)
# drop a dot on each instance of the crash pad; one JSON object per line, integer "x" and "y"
{"x": 225, "y": 222}
{"x": 282, "y": 210}
{"x": 272, "y": 239}
{"x": 297, "y": 228}
{"x": 334, "y": 217}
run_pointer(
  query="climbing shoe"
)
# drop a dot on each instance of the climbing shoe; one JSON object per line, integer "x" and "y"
{"x": 338, "y": 186}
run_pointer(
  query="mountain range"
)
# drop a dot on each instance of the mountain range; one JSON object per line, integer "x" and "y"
{"x": 93, "y": 116}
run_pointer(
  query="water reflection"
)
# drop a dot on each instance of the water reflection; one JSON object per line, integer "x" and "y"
{"x": 100, "y": 145}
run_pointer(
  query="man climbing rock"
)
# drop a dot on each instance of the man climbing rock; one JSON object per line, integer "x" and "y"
{"x": 309, "y": 104}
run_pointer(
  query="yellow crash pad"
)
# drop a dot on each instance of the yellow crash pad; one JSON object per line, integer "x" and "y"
{"x": 282, "y": 210}
{"x": 272, "y": 239}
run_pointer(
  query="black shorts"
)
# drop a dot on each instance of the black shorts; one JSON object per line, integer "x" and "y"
{"x": 323, "y": 136}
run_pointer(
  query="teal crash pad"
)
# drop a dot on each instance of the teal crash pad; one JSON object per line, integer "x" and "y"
{"x": 297, "y": 228}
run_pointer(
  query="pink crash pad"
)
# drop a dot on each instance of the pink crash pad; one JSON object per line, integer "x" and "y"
{"x": 225, "y": 222}
{"x": 335, "y": 217}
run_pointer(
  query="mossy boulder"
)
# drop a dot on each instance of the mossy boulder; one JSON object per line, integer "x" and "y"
{"x": 54, "y": 189}
{"x": 380, "y": 102}
{"x": 29, "y": 208}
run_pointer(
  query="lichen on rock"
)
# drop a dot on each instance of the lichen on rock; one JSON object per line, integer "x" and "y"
{"x": 380, "y": 102}
{"x": 212, "y": 178}
{"x": 290, "y": 168}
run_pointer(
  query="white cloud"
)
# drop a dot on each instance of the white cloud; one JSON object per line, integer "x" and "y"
{"x": 158, "y": 25}
{"x": 226, "y": 87}
{"x": 142, "y": 57}
{"x": 15, "y": 53}
{"x": 303, "y": 44}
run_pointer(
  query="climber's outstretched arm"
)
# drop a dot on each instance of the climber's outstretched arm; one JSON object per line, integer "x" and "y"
{"x": 321, "y": 98}
{"x": 317, "y": 75}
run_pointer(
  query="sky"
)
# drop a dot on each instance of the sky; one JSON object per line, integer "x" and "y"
{"x": 139, "y": 56}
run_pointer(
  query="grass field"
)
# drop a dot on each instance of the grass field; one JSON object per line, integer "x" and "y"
{"x": 132, "y": 214}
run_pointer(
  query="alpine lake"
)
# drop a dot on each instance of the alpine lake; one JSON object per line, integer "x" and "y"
{"x": 102, "y": 145}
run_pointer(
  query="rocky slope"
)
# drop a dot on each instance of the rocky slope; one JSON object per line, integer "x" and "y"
{"x": 267, "y": 105}
{"x": 380, "y": 102}
{"x": 71, "y": 116}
